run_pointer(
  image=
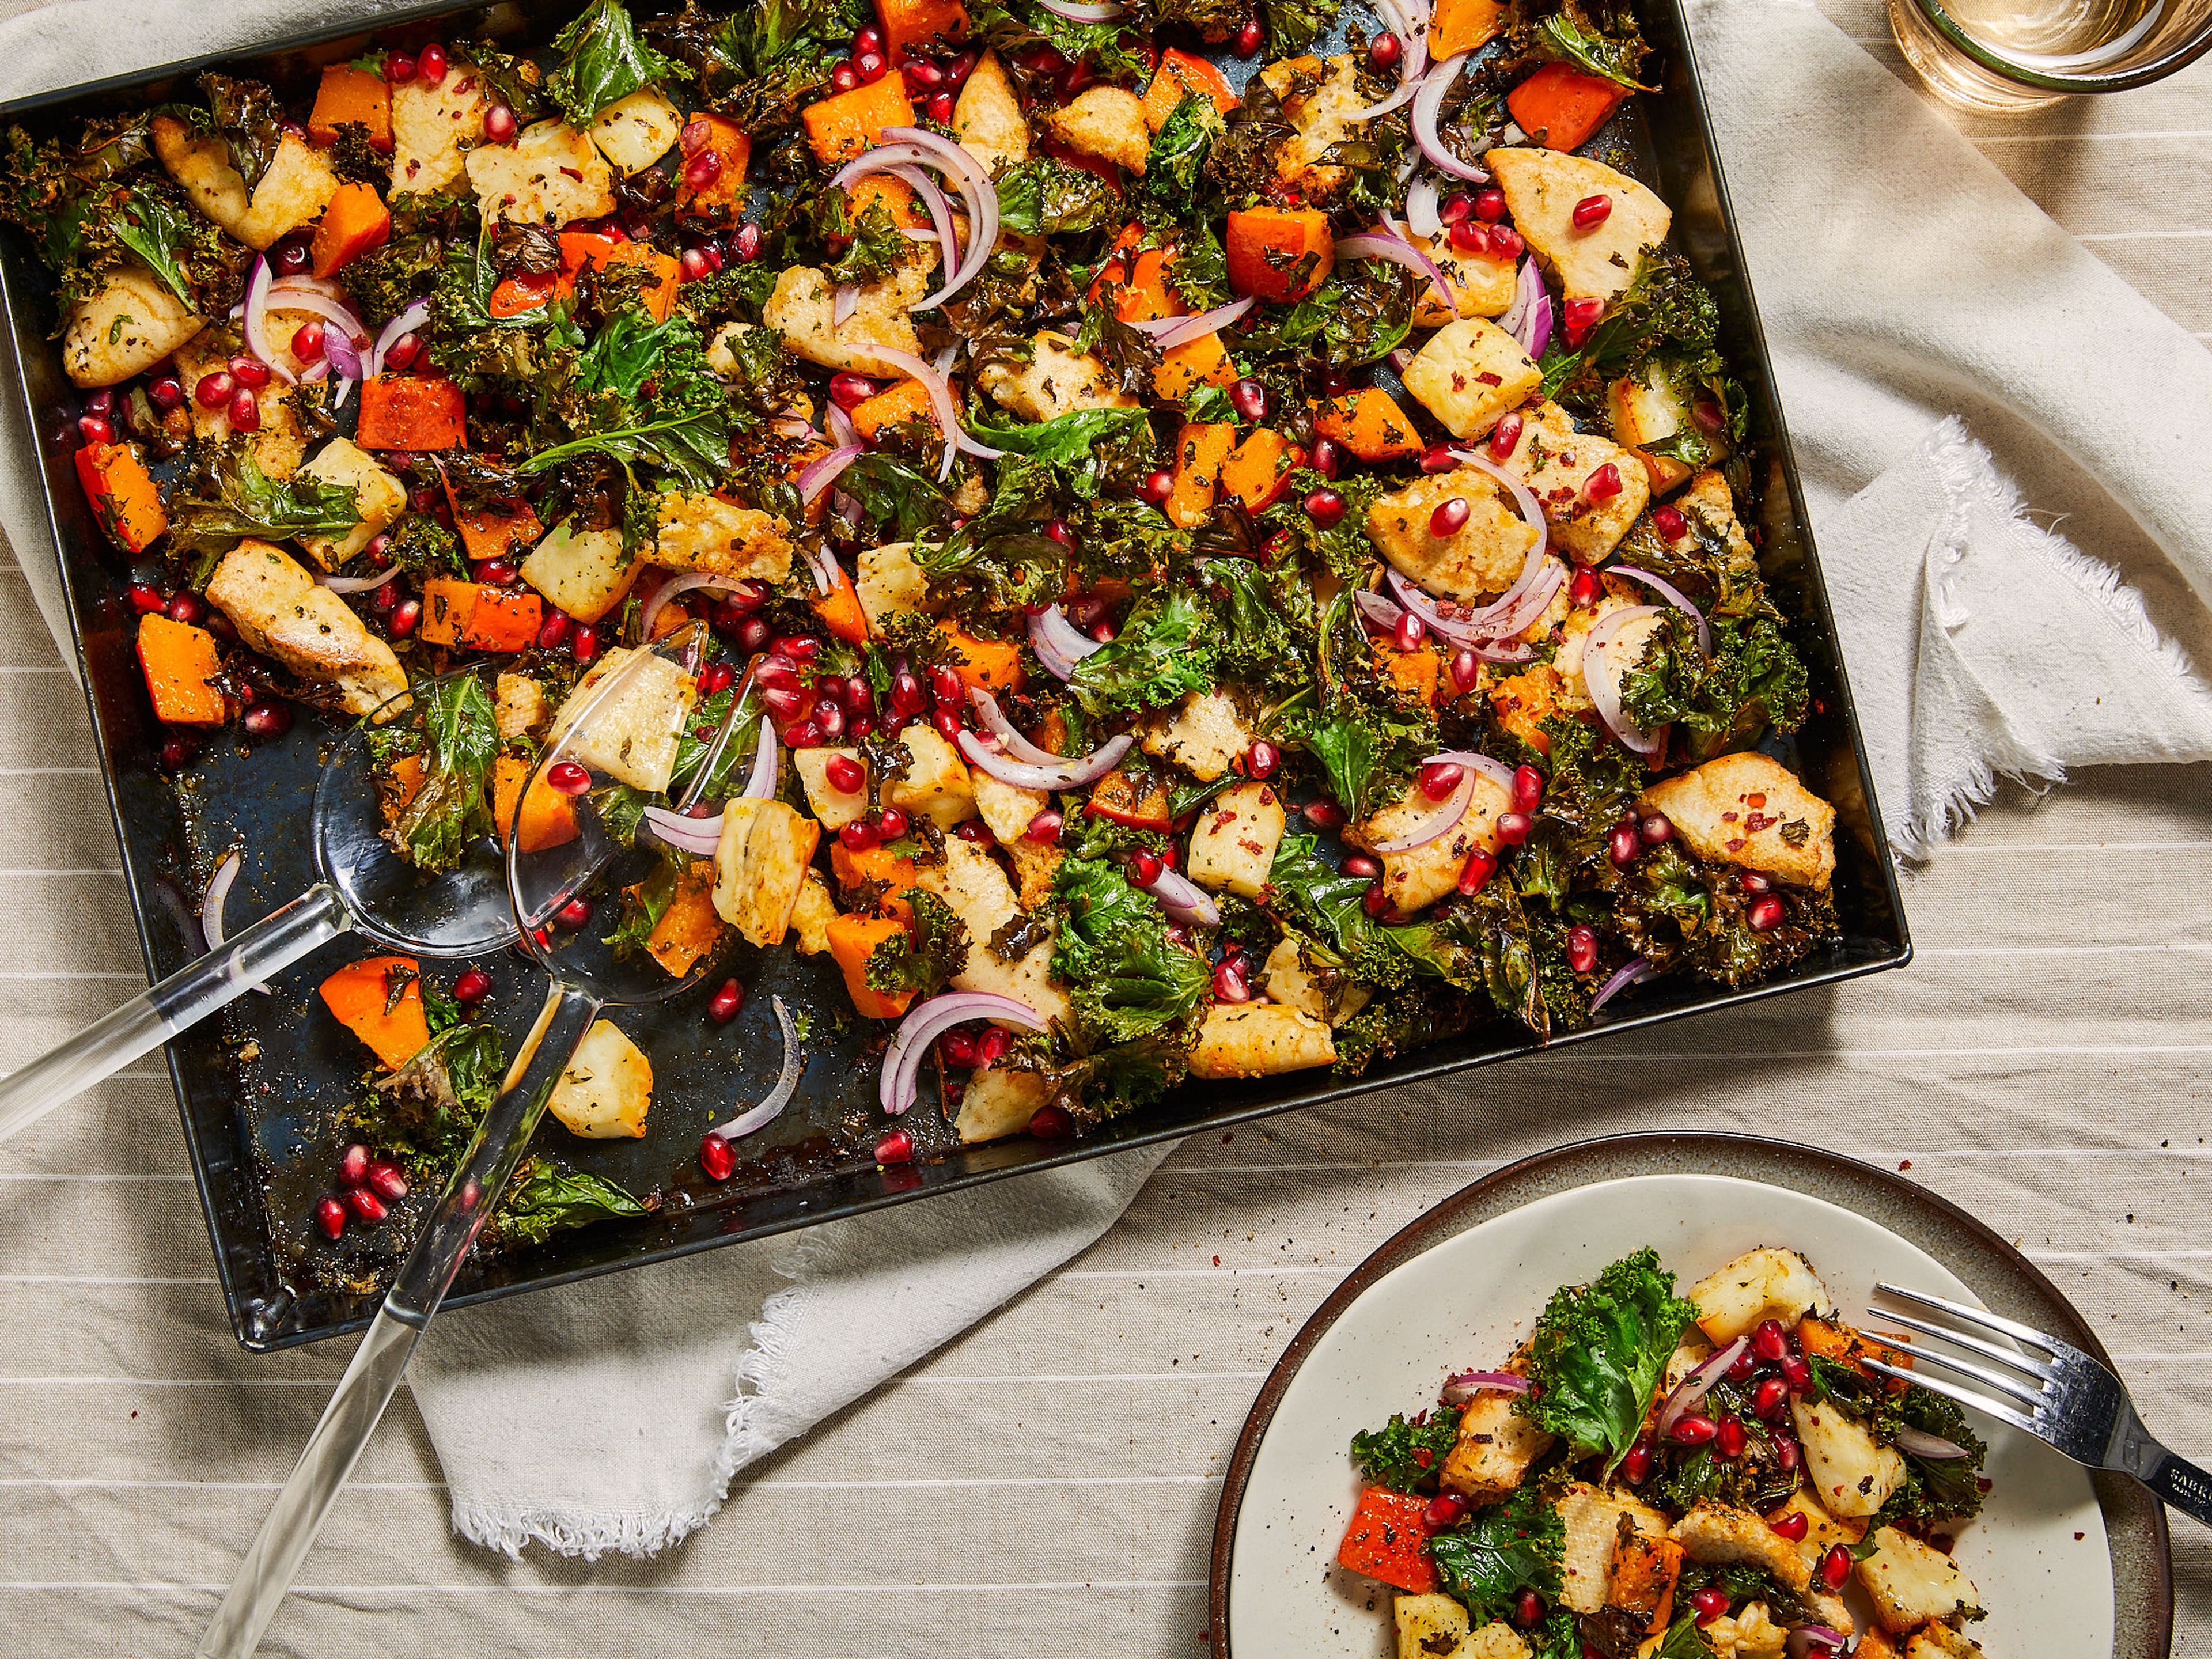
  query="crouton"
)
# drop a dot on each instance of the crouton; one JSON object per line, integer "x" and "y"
{"x": 1912, "y": 1584}
{"x": 1593, "y": 1518}
{"x": 635, "y": 132}
{"x": 379, "y": 498}
{"x": 1541, "y": 188}
{"x": 889, "y": 584}
{"x": 1006, "y": 808}
{"x": 632, "y": 737}
{"x": 584, "y": 573}
{"x": 607, "y": 1089}
{"x": 1107, "y": 122}
{"x": 705, "y": 532}
{"x": 552, "y": 174}
{"x": 834, "y": 807}
{"x": 1762, "y": 1284}
{"x": 1495, "y": 1448}
{"x": 1647, "y": 410}
{"x": 1318, "y": 116}
{"x": 1720, "y": 1534}
{"x": 1483, "y": 557}
{"x": 976, "y": 890}
{"x": 1750, "y": 1633}
{"x": 1327, "y": 993}
{"x": 1232, "y": 845}
{"x": 1436, "y": 1627}
{"x": 292, "y": 191}
{"x": 1750, "y": 810}
{"x": 1470, "y": 373}
{"x": 812, "y": 913}
{"x": 1204, "y": 736}
{"x": 1852, "y": 1473}
{"x": 1482, "y": 284}
{"x": 1259, "y": 1039}
{"x": 936, "y": 784}
{"x": 1421, "y": 875}
{"x": 998, "y": 1102}
{"x": 803, "y": 309}
{"x": 760, "y": 866}
{"x": 280, "y": 610}
{"x": 127, "y": 327}
{"x": 1058, "y": 379}
{"x": 1933, "y": 1642}
{"x": 987, "y": 120}
{"x": 1556, "y": 463}
{"x": 433, "y": 129}
{"x": 518, "y": 707}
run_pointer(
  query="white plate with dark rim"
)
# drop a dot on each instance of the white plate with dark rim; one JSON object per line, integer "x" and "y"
{"x": 1461, "y": 1287}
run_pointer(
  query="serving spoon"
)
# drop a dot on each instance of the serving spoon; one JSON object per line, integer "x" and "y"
{"x": 366, "y": 887}
{"x": 587, "y": 974}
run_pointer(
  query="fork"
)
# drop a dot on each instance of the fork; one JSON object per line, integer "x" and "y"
{"x": 2068, "y": 1400}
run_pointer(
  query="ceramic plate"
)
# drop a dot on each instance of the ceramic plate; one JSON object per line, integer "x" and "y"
{"x": 1462, "y": 1286}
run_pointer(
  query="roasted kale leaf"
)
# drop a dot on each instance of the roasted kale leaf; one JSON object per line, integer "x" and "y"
{"x": 1406, "y": 1452}
{"x": 1598, "y": 1354}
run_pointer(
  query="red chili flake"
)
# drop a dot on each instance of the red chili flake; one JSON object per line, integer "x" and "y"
{"x": 1488, "y": 379}
{"x": 1424, "y": 1456}
{"x": 2078, "y": 1536}
{"x": 1217, "y": 1261}
{"x": 1736, "y": 846}
{"x": 1904, "y": 1163}
{"x": 1459, "y": 382}
{"x": 1754, "y": 801}
{"x": 1730, "y": 817}
{"x": 571, "y": 172}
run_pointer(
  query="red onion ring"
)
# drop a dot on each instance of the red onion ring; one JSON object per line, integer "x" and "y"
{"x": 1495, "y": 770}
{"x": 1674, "y": 596}
{"x": 1438, "y": 822}
{"x": 995, "y": 721}
{"x": 330, "y": 311}
{"x": 821, "y": 472}
{"x": 356, "y": 584}
{"x": 1921, "y": 1443}
{"x": 1690, "y": 1393}
{"x": 688, "y": 834}
{"x": 1427, "y": 107}
{"x": 1459, "y": 1390}
{"x": 218, "y": 890}
{"x": 1408, "y": 89}
{"x": 256, "y": 324}
{"x": 1062, "y": 773}
{"x": 1083, "y": 11}
{"x": 841, "y": 428}
{"x": 761, "y": 786}
{"x": 1059, "y": 644}
{"x": 1634, "y": 971}
{"x": 1423, "y": 216}
{"x": 1602, "y": 680}
{"x": 844, "y": 302}
{"x": 940, "y": 210}
{"x": 1183, "y": 901}
{"x": 1499, "y": 621}
{"x": 923, "y": 1023}
{"x": 1184, "y": 330}
{"x": 941, "y": 400}
{"x": 787, "y": 1084}
{"x": 1806, "y": 1640}
{"x": 669, "y": 589}
{"x": 824, "y": 565}
{"x": 982, "y": 198}
{"x": 405, "y": 323}
{"x": 1399, "y": 252}
{"x": 1411, "y": 22}
{"x": 1529, "y": 319}
{"x": 1376, "y": 609}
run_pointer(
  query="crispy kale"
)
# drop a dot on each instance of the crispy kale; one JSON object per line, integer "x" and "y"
{"x": 1597, "y": 39}
{"x": 544, "y": 1198}
{"x": 1936, "y": 1489}
{"x": 1305, "y": 891}
{"x": 228, "y": 497}
{"x": 1177, "y": 158}
{"x": 1670, "y": 908}
{"x": 1598, "y": 1354}
{"x": 1753, "y": 682}
{"x": 249, "y": 118}
{"x": 1045, "y": 197}
{"x": 640, "y": 394}
{"x": 1516, "y": 1547}
{"x": 1405, "y": 1453}
{"x": 1163, "y": 653}
{"x": 924, "y": 959}
{"x": 453, "y": 742}
{"x": 1665, "y": 311}
{"x": 759, "y": 64}
{"x": 1127, "y": 979}
{"x": 1084, "y": 447}
{"x": 603, "y": 61}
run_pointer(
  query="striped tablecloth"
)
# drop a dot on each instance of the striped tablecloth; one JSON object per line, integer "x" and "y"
{"x": 1047, "y": 1484}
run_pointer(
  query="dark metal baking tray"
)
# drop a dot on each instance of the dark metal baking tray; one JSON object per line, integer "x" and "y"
{"x": 258, "y": 1089}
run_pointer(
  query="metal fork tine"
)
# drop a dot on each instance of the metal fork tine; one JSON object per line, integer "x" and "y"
{"x": 2011, "y": 1327}
{"x": 1952, "y": 1391}
{"x": 2018, "y": 1387}
{"x": 2039, "y": 1367}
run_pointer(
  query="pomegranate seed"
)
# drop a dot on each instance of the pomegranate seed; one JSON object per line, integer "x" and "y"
{"x": 1709, "y": 417}
{"x": 1603, "y": 484}
{"x": 715, "y": 677}
{"x": 923, "y": 77}
{"x": 1450, "y": 517}
{"x": 1730, "y": 1441}
{"x": 146, "y": 599}
{"x": 267, "y": 719}
{"x": 1470, "y": 236}
{"x": 567, "y": 777}
{"x": 1044, "y": 828}
{"x": 1582, "y": 948}
{"x": 1325, "y": 508}
{"x": 402, "y": 351}
{"x": 1769, "y": 1340}
{"x": 404, "y": 615}
{"x": 1443, "y": 1509}
{"x": 1512, "y": 828}
{"x": 472, "y": 987}
{"x": 978, "y": 832}
{"x": 1455, "y": 206}
{"x": 1791, "y": 1526}
{"x": 331, "y": 1217}
{"x": 1505, "y": 435}
{"x": 692, "y": 262}
{"x": 398, "y": 68}
{"x": 387, "y": 1180}
{"x": 574, "y": 914}
{"x": 860, "y": 726}
{"x": 584, "y": 641}
{"x": 992, "y": 1045}
{"x": 859, "y": 836}
{"x": 213, "y": 391}
{"x": 948, "y": 723}
{"x": 1439, "y": 457}
{"x": 1766, "y": 914}
{"x": 1669, "y": 522}
{"x": 308, "y": 342}
{"x": 1529, "y": 1611}
{"x": 177, "y": 753}
{"x": 1052, "y": 1123}
{"x": 1249, "y": 399}
{"x": 553, "y": 629}
{"x": 1578, "y": 316}
{"x": 1144, "y": 869}
{"x": 1623, "y": 845}
{"x": 1527, "y": 788}
{"x": 1786, "y": 1455}
{"x": 367, "y": 1208}
{"x": 1440, "y": 778}
{"x": 802, "y": 735}
{"x": 91, "y": 429}
{"x": 1358, "y": 864}
{"x": 1693, "y": 1429}
{"x": 498, "y": 573}
{"x": 847, "y": 775}
{"x": 1261, "y": 760}
{"x": 703, "y": 170}
{"x": 746, "y": 244}
{"x": 946, "y": 681}
{"x": 1655, "y": 828}
{"x": 187, "y": 607}
{"x": 1592, "y": 211}
{"x": 1709, "y": 1603}
{"x": 1506, "y": 243}
{"x": 1637, "y": 1464}
{"x": 250, "y": 371}
{"x": 870, "y": 66}
{"x": 1583, "y": 588}
{"x": 1251, "y": 39}
{"x": 722, "y": 1007}
{"x": 1324, "y": 814}
{"x": 167, "y": 392}
{"x": 1490, "y": 204}
{"x": 957, "y": 71}
{"x": 1466, "y": 669}
{"x": 352, "y": 1165}
{"x": 716, "y": 1158}
{"x": 867, "y": 38}
{"x": 776, "y": 673}
{"x": 500, "y": 125}
{"x": 897, "y": 1147}
{"x": 857, "y": 695}
{"x": 1385, "y": 50}
{"x": 1771, "y": 1400}
{"x": 1326, "y": 459}
{"x": 1376, "y": 900}
{"x": 1797, "y": 1373}
{"x": 1408, "y": 632}
{"x": 1157, "y": 486}
{"x": 891, "y": 823}
{"x": 1231, "y": 982}
{"x": 1476, "y": 873}
{"x": 1836, "y": 1566}
{"x": 1741, "y": 1368}
{"x": 957, "y": 1049}
{"x": 385, "y": 599}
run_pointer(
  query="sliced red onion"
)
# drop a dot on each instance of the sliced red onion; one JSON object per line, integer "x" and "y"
{"x": 1531, "y": 327}
{"x": 821, "y": 472}
{"x": 691, "y": 834}
{"x": 940, "y": 210}
{"x": 1402, "y": 359}
{"x": 761, "y": 786}
{"x": 1061, "y": 774}
{"x": 1183, "y": 901}
{"x": 823, "y": 565}
{"x": 1059, "y": 644}
{"x": 1411, "y": 22}
{"x": 843, "y": 303}
{"x": 791, "y": 424}
{"x": 1438, "y": 822}
{"x": 1422, "y": 216}
{"x": 356, "y": 584}
{"x": 982, "y": 209}
{"x": 1399, "y": 252}
{"x": 995, "y": 721}
{"x": 1509, "y": 615}
{"x": 405, "y": 323}
{"x": 218, "y": 890}
{"x": 1495, "y": 770}
{"x": 1634, "y": 971}
{"x": 1690, "y": 1393}
{"x": 1807, "y": 1641}
{"x": 1921, "y": 1443}
{"x": 926, "y": 1021}
{"x": 944, "y": 360}
{"x": 256, "y": 323}
{"x": 1083, "y": 11}
{"x": 1408, "y": 91}
{"x": 1187, "y": 329}
{"x": 1428, "y": 105}
{"x": 1459, "y": 1390}
{"x": 300, "y": 283}
{"x": 787, "y": 1084}
{"x": 341, "y": 357}
{"x": 1528, "y": 283}
{"x": 942, "y": 401}
{"x": 841, "y": 428}
{"x": 321, "y": 304}
{"x": 1674, "y": 596}
{"x": 1492, "y": 651}
{"x": 683, "y": 584}
{"x": 1376, "y": 609}
{"x": 1602, "y": 679}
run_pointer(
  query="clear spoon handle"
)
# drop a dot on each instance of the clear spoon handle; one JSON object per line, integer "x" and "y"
{"x": 178, "y": 1003}
{"x": 273, "y": 1561}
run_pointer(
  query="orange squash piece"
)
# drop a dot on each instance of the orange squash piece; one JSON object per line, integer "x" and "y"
{"x": 853, "y": 939}
{"x": 690, "y": 927}
{"x": 495, "y": 530}
{"x": 351, "y": 97}
{"x": 877, "y": 866}
{"x": 1559, "y": 107}
{"x": 1524, "y": 701}
{"x": 548, "y": 817}
{"x": 1386, "y": 1541}
{"x": 894, "y": 196}
{"x": 123, "y": 495}
{"x": 355, "y": 222}
{"x": 410, "y": 412}
{"x": 840, "y": 611}
{"x": 1200, "y": 448}
{"x": 478, "y": 616}
{"x": 1258, "y": 470}
{"x": 909, "y": 23}
{"x": 723, "y": 198}
{"x": 1195, "y": 364}
{"x": 1139, "y": 799}
{"x": 361, "y": 995}
{"x": 525, "y": 291}
{"x": 1139, "y": 278}
{"x": 1279, "y": 253}
{"x": 994, "y": 665}
{"x": 840, "y": 128}
{"x": 181, "y": 664}
{"x": 1415, "y": 671}
{"x": 907, "y": 401}
{"x": 1458, "y": 26}
{"x": 1181, "y": 75}
{"x": 582, "y": 250}
{"x": 1369, "y": 424}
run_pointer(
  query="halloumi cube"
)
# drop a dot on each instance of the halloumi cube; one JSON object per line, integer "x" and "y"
{"x": 890, "y": 584}
{"x": 1483, "y": 557}
{"x": 635, "y": 132}
{"x": 379, "y": 498}
{"x": 1541, "y": 188}
{"x": 583, "y": 572}
{"x": 1232, "y": 845}
{"x": 977, "y": 892}
{"x": 1912, "y": 1584}
{"x": 1556, "y": 463}
{"x": 834, "y": 807}
{"x": 1750, "y": 810}
{"x": 696, "y": 532}
{"x": 293, "y": 191}
{"x": 1482, "y": 284}
{"x": 433, "y": 129}
{"x": 1107, "y": 122}
{"x": 633, "y": 735}
{"x": 552, "y": 174}
{"x": 1058, "y": 379}
{"x": 803, "y": 310}
{"x": 1851, "y": 1472}
{"x": 281, "y": 611}
{"x": 1320, "y": 120}
{"x": 607, "y": 1089}
{"x": 986, "y": 121}
{"x": 1470, "y": 373}
{"x": 1204, "y": 736}
{"x": 760, "y": 866}
{"x": 998, "y": 1102}
{"x": 1326, "y": 993}
{"x": 1646, "y": 411}
{"x": 127, "y": 327}
{"x": 1436, "y": 1627}
{"x": 1259, "y": 1039}
{"x": 937, "y": 785}
{"x": 1421, "y": 875}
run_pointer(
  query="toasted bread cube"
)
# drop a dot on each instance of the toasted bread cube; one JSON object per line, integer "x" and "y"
{"x": 1933, "y": 1642}
{"x": 1482, "y": 284}
{"x": 986, "y": 121}
{"x": 633, "y": 738}
{"x": 803, "y": 310}
{"x": 1912, "y": 1584}
{"x": 1035, "y": 866}
{"x": 1319, "y": 121}
{"x": 890, "y": 584}
{"x": 1058, "y": 379}
{"x": 1720, "y": 1534}
{"x": 1877, "y": 1643}
{"x": 977, "y": 892}
{"x": 126, "y": 328}
{"x": 812, "y": 913}
{"x": 1006, "y": 808}
{"x": 293, "y": 191}
{"x": 433, "y": 128}
{"x": 607, "y": 1089}
{"x": 1429, "y": 1627}
{"x": 1327, "y": 993}
{"x": 1259, "y": 1039}
{"x": 1232, "y": 845}
{"x": 1204, "y": 736}
{"x": 582, "y": 572}
{"x": 1762, "y": 1284}
{"x": 281, "y": 611}
{"x": 1495, "y": 1640}
{"x": 706, "y": 533}
{"x": 833, "y": 806}
{"x": 1470, "y": 373}
{"x": 1556, "y": 462}
{"x": 937, "y": 784}
{"x": 552, "y": 174}
{"x": 1542, "y": 186}
{"x": 998, "y": 1102}
{"x": 761, "y": 865}
{"x": 1750, "y": 1633}
{"x": 1750, "y": 810}
{"x": 1853, "y": 1474}
{"x": 1107, "y": 122}
{"x": 518, "y": 707}
{"x": 1646, "y": 410}
{"x": 1495, "y": 1448}
{"x": 379, "y": 498}
{"x": 1593, "y": 1517}
{"x": 635, "y": 132}
{"x": 279, "y": 447}
{"x": 1421, "y": 875}
{"x": 1484, "y": 556}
